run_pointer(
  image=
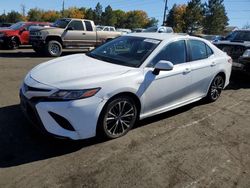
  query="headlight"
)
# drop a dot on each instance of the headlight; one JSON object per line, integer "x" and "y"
{"x": 74, "y": 94}
{"x": 246, "y": 53}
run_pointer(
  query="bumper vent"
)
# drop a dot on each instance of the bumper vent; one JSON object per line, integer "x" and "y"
{"x": 64, "y": 123}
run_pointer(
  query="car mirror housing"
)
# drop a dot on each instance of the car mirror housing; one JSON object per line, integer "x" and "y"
{"x": 163, "y": 65}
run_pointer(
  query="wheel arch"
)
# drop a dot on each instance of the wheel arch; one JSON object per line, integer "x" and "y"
{"x": 125, "y": 93}
{"x": 54, "y": 37}
{"x": 222, "y": 73}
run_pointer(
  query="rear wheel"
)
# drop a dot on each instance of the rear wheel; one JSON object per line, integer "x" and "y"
{"x": 118, "y": 117}
{"x": 53, "y": 48}
{"x": 215, "y": 88}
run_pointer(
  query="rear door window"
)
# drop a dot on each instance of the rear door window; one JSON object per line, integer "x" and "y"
{"x": 88, "y": 26}
{"x": 198, "y": 50}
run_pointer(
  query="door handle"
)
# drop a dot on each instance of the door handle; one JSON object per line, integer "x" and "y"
{"x": 213, "y": 64}
{"x": 83, "y": 33}
{"x": 187, "y": 70}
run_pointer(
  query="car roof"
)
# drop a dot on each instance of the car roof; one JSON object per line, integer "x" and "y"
{"x": 159, "y": 36}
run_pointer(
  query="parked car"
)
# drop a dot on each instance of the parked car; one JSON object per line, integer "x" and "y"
{"x": 124, "y": 31}
{"x": 68, "y": 33}
{"x": 211, "y": 38}
{"x": 17, "y": 34}
{"x": 131, "y": 77}
{"x": 237, "y": 45}
{"x": 138, "y": 30}
{"x": 161, "y": 29}
{"x": 5, "y": 25}
{"x": 105, "y": 28}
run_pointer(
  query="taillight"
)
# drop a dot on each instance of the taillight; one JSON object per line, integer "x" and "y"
{"x": 230, "y": 60}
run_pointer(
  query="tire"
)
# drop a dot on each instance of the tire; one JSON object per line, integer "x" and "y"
{"x": 117, "y": 117}
{"x": 53, "y": 48}
{"x": 13, "y": 44}
{"x": 216, "y": 88}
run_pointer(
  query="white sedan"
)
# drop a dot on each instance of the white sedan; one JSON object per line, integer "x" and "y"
{"x": 129, "y": 78}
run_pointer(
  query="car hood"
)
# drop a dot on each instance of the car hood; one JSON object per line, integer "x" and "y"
{"x": 76, "y": 72}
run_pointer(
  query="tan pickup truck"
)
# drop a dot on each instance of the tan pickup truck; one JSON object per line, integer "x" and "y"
{"x": 68, "y": 33}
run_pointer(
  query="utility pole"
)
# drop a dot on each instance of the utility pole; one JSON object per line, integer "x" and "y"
{"x": 23, "y": 10}
{"x": 63, "y": 8}
{"x": 165, "y": 12}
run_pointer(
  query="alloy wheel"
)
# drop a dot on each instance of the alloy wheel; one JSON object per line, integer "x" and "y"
{"x": 216, "y": 87}
{"x": 120, "y": 117}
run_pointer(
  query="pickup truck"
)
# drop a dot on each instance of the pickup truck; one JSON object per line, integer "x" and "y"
{"x": 68, "y": 33}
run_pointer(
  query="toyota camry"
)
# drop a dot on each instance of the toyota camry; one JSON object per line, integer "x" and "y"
{"x": 107, "y": 90}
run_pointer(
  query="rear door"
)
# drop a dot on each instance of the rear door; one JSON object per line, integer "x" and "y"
{"x": 89, "y": 38}
{"x": 203, "y": 65}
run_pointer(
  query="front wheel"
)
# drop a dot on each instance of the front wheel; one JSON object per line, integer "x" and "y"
{"x": 53, "y": 48}
{"x": 13, "y": 44}
{"x": 118, "y": 117}
{"x": 215, "y": 88}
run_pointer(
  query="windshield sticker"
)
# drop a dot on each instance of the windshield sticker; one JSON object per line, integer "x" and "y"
{"x": 152, "y": 41}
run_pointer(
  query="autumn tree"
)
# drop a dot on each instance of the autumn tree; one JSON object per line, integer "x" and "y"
{"x": 136, "y": 19}
{"x": 50, "y": 16}
{"x": 73, "y": 12}
{"x": 193, "y": 16}
{"x": 215, "y": 17}
{"x": 175, "y": 18}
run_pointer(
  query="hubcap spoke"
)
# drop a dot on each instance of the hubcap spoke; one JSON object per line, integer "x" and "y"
{"x": 120, "y": 117}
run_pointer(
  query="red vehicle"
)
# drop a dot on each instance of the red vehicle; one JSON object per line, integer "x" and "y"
{"x": 17, "y": 34}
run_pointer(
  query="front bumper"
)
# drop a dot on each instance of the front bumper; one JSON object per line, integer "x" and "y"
{"x": 81, "y": 114}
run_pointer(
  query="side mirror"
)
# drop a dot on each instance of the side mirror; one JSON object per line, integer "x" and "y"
{"x": 163, "y": 65}
{"x": 22, "y": 30}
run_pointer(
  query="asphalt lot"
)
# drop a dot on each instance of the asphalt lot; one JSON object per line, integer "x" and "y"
{"x": 199, "y": 145}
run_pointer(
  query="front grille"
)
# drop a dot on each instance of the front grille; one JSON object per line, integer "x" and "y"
{"x": 234, "y": 51}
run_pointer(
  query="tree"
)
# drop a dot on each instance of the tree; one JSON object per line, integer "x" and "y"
{"x": 90, "y": 14}
{"x": 193, "y": 16}
{"x": 3, "y": 18}
{"x": 98, "y": 14}
{"x": 50, "y": 16}
{"x": 35, "y": 14}
{"x": 246, "y": 26}
{"x": 175, "y": 17}
{"x": 120, "y": 18}
{"x": 215, "y": 17}
{"x": 108, "y": 17}
{"x": 152, "y": 22}
{"x": 13, "y": 17}
{"x": 136, "y": 19}
{"x": 73, "y": 12}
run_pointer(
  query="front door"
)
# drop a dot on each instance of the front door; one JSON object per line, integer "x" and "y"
{"x": 168, "y": 88}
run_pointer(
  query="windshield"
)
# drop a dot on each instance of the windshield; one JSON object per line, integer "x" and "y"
{"x": 17, "y": 26}
{"x": 239, "y": 36}
{"x": 62, "y": 23}
{"x": 126, "y": 50}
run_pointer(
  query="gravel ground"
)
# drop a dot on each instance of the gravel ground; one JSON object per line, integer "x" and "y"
{"x": 199, "y": 145}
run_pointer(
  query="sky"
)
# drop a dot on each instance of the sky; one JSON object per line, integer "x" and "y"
{"x": 238, "y": 11}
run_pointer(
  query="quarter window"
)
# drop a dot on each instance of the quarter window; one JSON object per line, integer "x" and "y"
{"x": 174, "y": 52}
{"x": 76, "y": 25}
{"x": 198, "y": 50}
{"x": 209, "y": 51}
{"x": 88, "y": 26}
